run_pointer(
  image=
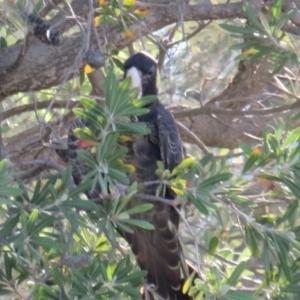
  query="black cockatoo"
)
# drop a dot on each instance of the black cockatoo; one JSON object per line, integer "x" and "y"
{"x": 157, "y": 251}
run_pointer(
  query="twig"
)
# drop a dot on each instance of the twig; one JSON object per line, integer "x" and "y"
{"x": 131, "y": 49}
{"x": 48, "y": 7}
{"x": 195, "y": 242}
{"x": 79, "y": 57}
{"x": 194, "y": 137}
{"x": 44, "y": 162}
{"x": 206, "y": 110}
{"x": 44, "y": 280}
{"x": 37, "y": 105}
{"x": 30, "y": 173}
{"x": 3, "y": 151}
{"x": 141, "y": 4}
{"x": 189, "y": 36}
{"x": 157, "y": 199}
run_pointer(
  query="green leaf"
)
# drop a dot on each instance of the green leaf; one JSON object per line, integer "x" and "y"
{"x": 252, "y": 18}
{"x": 281, "y": 253}
{"x": 132, "y": 111}
{"x": 9, "y": 263}
{"x": 124, "y": 227}
{"x": 95, "y": 120}
{"x": 3, "y": 165}
{"x": 87, "y": 158}
{"x": 245, "y": 45}
{"x": 105, "y": 148}
{"x": 121, "y": 177}
{"x": 121, "y": 203}
{"x": 33, "y": 216}
{"x": 10, "y": 192}
{"x": 246, "y": 148}
{"x": 111, "y": 86}
{"x": 188, "y": 283}
{"x": 198, "y": 203}
{"x": 142, "y": 102}
{"x": 251, "y": 241}
{"x": 236, "y": 295}
{"x": 93, "y": 106}
{"x": 265, "y": 258}
{"x": 41, "y": 196}
{"x": 289, "y": 213}
{"x": 47, "y": 292}
{"x": 292, "y": 137}
{"x": 295, "y": 188}
{"x": 292, "y": 288}
{"x": 270, "y": 177}
{"x": 128, "y": 3}
{"x": 130, "y": 277}
{"x": 112, "y": 157}
{"x": 131, "y": 128}
{"x": 286, "y": 16}
{"x": 213, "y": 245}
{"x": 276, "y": 9}
{"x": 274, "y": 144}
{"x": 46, "y": 222}
{"x": 3, "y": 43}
{"x": 118, "y": 63}
{"x": 139, "y": 209}
{"x": 139, "y": 223}
{"x": 265, "y": 24}
{"x": 236, "y": 29}
{"x": 9, "y": 225}
{"x": 253, "y": 158}
{"x": 82, "y": 187}
{"x": 85, "y": 205}
{"x": 233, "y": 279}
{"x": 4, "y": 291}
{"x": 45, "y": 242}
{"x": 128, "y": 290}
{"x": 66, "y": 178}
{"x": 186, "y": 163}
{"x": 215, "y": 179}
{"x": 84, "y": 133}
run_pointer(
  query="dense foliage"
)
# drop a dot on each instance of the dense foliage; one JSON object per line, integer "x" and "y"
{"x": 240, "y": 209}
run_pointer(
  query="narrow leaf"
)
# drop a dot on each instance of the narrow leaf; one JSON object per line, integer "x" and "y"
{"x": 233, "y": 279}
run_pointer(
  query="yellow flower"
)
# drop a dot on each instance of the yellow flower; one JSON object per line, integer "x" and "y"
{"x": 129, "y": 34}
{"x": 88, "y": 69}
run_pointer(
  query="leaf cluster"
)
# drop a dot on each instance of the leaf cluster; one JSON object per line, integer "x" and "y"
{"x": 263, "y": 36}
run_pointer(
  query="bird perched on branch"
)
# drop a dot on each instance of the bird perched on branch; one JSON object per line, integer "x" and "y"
{"x": 157, "y": 251}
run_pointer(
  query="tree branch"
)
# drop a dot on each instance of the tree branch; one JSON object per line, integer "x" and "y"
{"x": 62, "y": 57}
